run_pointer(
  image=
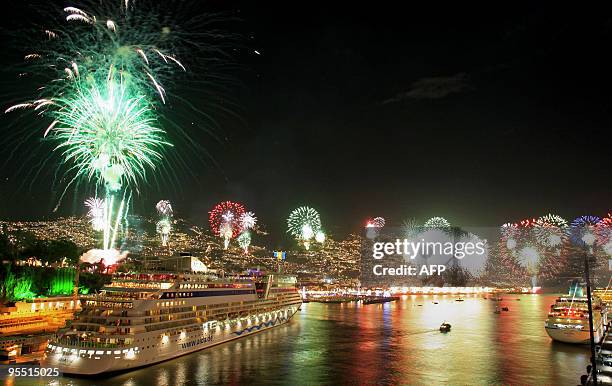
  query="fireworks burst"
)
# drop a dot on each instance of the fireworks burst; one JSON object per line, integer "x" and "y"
{"x": 582, "y": 230}
{"x": 603, "y": 230}
{"x": 105, "y": 65}
{"x": 373, "y": 227}
{"x": 532, "y": 248}
{"x": 437, "y": 223}
{"x": 377, "y": 222}
{"x": 115, "y": 36}
{"x": 164, "y": 208}
{"x": 550, "y": 230}
{"x": 411, "y": 228}
{"x": 248, "y": 220}
{"x": 106, "y": 134}
{"x": 303, "y": 224}
{"x": 95, "y": 212}
{"x": 224, "y": 220}
{"x": 244, "y": 241}
{"x": 105, "y": 69}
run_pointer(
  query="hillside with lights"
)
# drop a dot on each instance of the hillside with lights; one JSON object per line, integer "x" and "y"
{"x": 524, "y": 255}
{"x": 333, "y": 261}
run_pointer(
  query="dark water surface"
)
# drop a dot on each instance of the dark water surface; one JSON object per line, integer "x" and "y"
{"x": 394, "y": 343}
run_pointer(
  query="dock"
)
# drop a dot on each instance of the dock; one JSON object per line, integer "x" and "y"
{"x": 604, "y": 362}
{"x": 603, "y": 349}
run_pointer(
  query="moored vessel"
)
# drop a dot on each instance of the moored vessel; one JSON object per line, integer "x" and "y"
{"x": 142, "y": 319}
{"x": 568, "y": 319}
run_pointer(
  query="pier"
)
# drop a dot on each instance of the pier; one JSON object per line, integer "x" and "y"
{"x": 604, "y": 362}
{"x": 603, "y": 350}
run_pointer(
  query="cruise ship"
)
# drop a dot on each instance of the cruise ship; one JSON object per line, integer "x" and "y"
{"x": 142, "y": 319}
{"x": 568, "y": 319}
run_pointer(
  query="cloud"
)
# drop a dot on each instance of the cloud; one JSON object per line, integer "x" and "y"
{"x": 433, "y": 88}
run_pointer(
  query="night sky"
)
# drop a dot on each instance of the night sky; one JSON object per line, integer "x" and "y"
{"x": 479, "y": 115}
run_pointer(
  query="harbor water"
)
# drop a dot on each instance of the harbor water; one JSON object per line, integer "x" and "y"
{"x": 391, "y": 343}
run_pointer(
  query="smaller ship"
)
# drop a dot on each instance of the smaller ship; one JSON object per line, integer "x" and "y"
{"x": 383, "y": 299}
{"x": 445, "y": 327}
{"x": 568, "y": 319}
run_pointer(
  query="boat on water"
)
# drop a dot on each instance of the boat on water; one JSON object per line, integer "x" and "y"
{"x": 568, "y": 319}
{"x": 445, "y": 327}
{"x": 142, "y": 319}
{"x": 380, "y": 299}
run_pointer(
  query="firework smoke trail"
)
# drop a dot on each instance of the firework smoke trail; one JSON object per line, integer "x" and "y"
{"x": 247, "y": 222}
{"x": 164, "y": 225}
{"x": 226, "y": 232}
{"x": 320, "y": 237}
{"x": 95, "y": 213}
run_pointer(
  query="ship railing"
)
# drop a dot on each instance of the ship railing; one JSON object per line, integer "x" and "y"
{"x": 107, "y": 297}
{"x": 73, "y": 343}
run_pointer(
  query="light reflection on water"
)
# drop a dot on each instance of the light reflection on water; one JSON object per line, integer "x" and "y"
{"x": 393, "y": 343}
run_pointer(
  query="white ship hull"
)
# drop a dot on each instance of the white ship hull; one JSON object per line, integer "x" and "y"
{"x": 99, "y": 361}
{"x": 570, "y": 335}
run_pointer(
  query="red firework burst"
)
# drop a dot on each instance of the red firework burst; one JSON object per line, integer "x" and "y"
{"x": 377, "y": 222}
{"x": 517, "y": 239}
{"x": 528, "y": 223}
{"x": 226, "y": 212}
{"x": 603, "y": 229}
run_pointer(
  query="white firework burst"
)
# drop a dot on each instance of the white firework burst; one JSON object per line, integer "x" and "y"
{"x": 95, "y": 212}
{"x": 248, "y": 220}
